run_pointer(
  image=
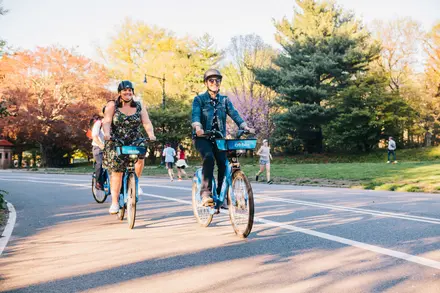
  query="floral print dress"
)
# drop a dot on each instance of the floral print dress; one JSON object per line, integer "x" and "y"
{"x": 125, "y": 127}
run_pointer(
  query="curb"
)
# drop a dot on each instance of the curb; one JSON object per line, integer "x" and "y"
{"x": 9, "y": 227}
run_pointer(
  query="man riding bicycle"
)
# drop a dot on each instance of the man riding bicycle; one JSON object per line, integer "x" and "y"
{"x": 97, "y": 150}
{"x": 209, "y": 112}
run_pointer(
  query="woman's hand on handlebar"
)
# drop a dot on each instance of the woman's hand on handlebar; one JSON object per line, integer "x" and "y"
{"x": 107, "y": 136}
{"x": 152, "y": 137}
{"x": 199, "y": 132}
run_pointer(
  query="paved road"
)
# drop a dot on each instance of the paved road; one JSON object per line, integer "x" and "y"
{"x": 305, "y": 240}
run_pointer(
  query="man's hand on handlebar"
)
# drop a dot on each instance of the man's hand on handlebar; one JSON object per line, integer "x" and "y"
{"x": 152, "y": 138}
{"x": 250, "y": 130}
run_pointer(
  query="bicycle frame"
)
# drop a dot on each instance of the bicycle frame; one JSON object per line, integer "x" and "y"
{"x": 128, "y": 171}
{"x": 123, "y": 198}
{"x": 105, "y": 186}
{"x": 227, "y": 182}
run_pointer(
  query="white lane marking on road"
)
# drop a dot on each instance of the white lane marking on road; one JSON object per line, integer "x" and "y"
{"x": 9, "y": 227}
{"x": 47, "y": 182}
{"x": 377, "y": 249}
{"x": 170, "y": 187}
{"x": 49, "y": 177}
{"x": 393, "y": 253}
{"x": 280, "y": 199}
{"x": 332, "y": 207}
{"x": 355, "y": 210}
{"x": 167, "y": 198}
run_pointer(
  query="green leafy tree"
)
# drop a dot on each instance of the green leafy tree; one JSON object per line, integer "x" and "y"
{"x": 364, "y": 112}
{"x": 138, "y": 49}
{"x": 3, "y": 110}
{"x": 171, "y": 125}
{"x": 3, "y": 47}
{"x": 323, "y": 49}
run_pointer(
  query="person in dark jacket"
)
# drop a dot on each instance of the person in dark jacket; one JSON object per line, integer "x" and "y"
{"x": 209, "y": 112}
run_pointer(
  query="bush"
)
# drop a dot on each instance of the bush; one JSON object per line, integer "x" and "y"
{"x": 2, "y": 201}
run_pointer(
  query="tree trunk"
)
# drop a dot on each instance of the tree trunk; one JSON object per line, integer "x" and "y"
{"x": 152, "y": 154}
{"x": 52, "y": 156}
{"x": 20, "y": 159}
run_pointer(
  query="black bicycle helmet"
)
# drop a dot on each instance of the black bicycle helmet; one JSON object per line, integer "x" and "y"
{"x": 212, "y": 73}
{"x": 125, "y": 84}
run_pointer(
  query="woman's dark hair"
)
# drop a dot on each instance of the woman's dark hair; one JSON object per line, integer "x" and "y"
{"x": 91, "y": 122}
{"x": 118, "y": 102}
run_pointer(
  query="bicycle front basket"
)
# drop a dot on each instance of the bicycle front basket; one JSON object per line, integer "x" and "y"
{"x": 131, "y": 150}
{"x": 236, "y": 144}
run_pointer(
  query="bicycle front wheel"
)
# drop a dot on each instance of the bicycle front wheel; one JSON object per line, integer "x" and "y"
{"x": 98, "y": 195}
{"x": 241, "y": 204}
{"x": 131, "y": 200}
{"x": 202, "y": 214}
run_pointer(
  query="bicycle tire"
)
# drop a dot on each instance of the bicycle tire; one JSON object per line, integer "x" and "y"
{"x": 201, "y": 213}
{"x": 121, "y": 213}
{"x": 99, "y": 195}
{"x": 131, "y": 200}
{"x": 235, "y": 204}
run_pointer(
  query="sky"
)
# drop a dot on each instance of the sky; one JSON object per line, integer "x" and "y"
{"x": 86, "y": 24}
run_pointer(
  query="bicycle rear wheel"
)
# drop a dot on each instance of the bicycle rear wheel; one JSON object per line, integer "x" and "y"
{"x": 202, "y": 214}
{"x": 99, "y": 195}
{"x": 131, "y": 200}
{"x": 241, "y": 204}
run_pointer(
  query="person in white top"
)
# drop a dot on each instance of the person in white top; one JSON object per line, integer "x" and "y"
{"x": 169, "y": 153}
{"x": 391, "y": 150}
{"x": 265, "y": 157}
{"x": 97, "y": 150}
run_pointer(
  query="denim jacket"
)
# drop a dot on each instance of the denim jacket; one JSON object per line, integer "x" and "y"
{"x": 203, "y": 111}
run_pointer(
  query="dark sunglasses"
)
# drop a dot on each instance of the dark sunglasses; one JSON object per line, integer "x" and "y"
{"x": 216, "y": 80}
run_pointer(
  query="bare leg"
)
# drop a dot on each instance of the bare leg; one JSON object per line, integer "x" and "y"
{"x": 139, "y": 167}
{"x": 260, "y": 171}
{"x": 115, "y": 182}
{"x": 268, "y": 172}
{"x": 178, "y": 173}
{"x": 170, "y": 173}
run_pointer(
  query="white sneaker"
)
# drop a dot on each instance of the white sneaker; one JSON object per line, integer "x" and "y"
{"x": 388, "y": 162}
{"x": 114, "y": 209}
{"x": 395, "y": 162}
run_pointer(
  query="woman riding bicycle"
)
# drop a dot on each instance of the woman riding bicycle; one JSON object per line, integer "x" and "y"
{"x": 123, "y": 119}
{"x": 209, "y": 112}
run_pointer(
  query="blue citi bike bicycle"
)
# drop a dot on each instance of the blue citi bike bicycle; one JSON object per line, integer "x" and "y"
{"x": 236, "y": 188}
{"x": 101, "y": 195}
{"x": 129, "y": 194}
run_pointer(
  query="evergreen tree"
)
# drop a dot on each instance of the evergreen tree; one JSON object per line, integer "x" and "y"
{"x": 323, "y": 49}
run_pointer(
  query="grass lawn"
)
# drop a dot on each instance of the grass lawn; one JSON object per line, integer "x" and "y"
{"x": 417, "y": 170}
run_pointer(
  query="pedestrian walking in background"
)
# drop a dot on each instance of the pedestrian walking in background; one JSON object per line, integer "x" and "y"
{"x": 169, "y": 153}
{"x": 265, "y": 157}
{"x": 391, "y": 150}
{"x": 181, "y": 163}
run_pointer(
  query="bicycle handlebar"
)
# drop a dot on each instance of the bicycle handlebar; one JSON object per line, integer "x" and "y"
{"x": 136, "y": 142}
{"x": 217, "y": 134}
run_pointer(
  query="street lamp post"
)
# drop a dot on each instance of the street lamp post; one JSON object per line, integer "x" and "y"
{"x": 162, "y": 79}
